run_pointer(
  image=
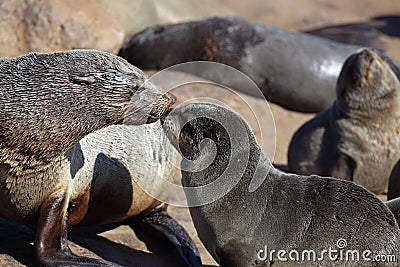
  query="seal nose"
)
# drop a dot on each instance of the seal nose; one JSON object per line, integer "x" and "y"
{"x": 367, "y": 54}
{"x": 170, "y": 97}
{"x": 157, "y": 112}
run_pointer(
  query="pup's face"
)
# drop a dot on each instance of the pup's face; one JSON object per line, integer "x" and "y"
{"x": 192, "y": 127}
{"x": 186, "y": 128}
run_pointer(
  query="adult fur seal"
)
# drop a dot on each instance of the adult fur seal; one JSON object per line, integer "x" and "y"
{"x": 48, "y": 103}
{"x": 266, "y": 54}
{"x": 286, "y": 212}
{"x": 357, "y": 138}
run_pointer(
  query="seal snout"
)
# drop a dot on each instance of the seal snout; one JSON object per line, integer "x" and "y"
{"x": 167, "y": 100}
{"x": 148, "y": 107}
{"x": 362, "y": 70}
{"x": 370, "y": 64}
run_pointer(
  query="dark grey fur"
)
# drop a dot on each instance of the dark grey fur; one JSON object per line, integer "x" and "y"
{"x": 358, "y": 137}
{"x": 287, "y": 211}
{"x": 295, "y": 70}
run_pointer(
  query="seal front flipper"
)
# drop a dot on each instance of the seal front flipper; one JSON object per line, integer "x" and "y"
{"x": 158, "y": 222}
{"x": 344, "y": 168}
{"x": 51, "y": 238}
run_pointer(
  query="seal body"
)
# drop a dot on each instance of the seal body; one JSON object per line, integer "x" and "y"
{"x": 357, "y": 138}
{"x": 267, "y": 55}
{"x": 48, "y": 103}
{"x": 284, "y": 212}
{"x": 106, "y": 167}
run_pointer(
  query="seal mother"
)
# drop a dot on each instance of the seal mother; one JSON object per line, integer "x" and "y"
{"x": 286, "y": 212}
{"x": 48, "y": 103}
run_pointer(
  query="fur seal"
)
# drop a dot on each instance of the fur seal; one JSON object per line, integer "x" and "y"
{"x": 286, "y": 212}
{"x": 267, "y": 55}
{"x": 357, "y": 138}
{"x": 48, "y": 103}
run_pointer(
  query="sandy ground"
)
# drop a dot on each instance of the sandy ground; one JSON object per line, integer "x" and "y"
{"x": 120, "y": 245}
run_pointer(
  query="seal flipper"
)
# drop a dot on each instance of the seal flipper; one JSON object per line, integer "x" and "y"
{"x": 361, "y": 34}
{"x": 344, "y": 168}
{"x": 159, "y": 222}
{"x": 51, "y": 236}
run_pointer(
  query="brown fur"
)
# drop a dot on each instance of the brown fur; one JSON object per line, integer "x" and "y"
{"x": 48, "y": 103}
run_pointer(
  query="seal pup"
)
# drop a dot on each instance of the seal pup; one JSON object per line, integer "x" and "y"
{"x": 357, "y": 138}
{"x": 286, "y": 212}
{"x": 48, "y": 103}
{"x": 267, "y": 55}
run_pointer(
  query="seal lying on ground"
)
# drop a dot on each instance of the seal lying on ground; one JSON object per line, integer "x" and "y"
{"x": 286, "y": 212}
{"x": 266, "y": 54}
{"x": 48, "y": 103}
{"x": 357, "y": 138}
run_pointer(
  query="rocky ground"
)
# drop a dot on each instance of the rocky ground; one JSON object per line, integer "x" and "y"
{"x": 105, "y": 28}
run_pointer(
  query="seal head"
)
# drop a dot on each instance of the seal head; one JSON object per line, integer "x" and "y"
{"x": 366, "y": 82}
{"x": 50, "y": 101}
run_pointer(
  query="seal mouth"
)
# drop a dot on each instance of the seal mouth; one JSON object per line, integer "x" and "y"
{"x": 143, "y": 113}
{"x": 163, "y": 109}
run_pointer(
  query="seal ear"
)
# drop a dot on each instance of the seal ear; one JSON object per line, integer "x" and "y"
{"x": 344, "y": 168}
